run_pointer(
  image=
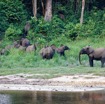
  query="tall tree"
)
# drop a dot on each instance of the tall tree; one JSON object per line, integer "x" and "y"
{"x": 76, "y": 5}
{"x": 43, "y": 8}
{"x": 48, "y": 10}
{"x": 34, "y": 3}
{"x": 82, "y": 12}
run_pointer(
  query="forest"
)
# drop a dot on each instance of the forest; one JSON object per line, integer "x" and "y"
{"x": 72, "y": 23}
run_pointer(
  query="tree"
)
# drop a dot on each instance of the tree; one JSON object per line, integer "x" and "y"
{"x": 48, "y": 10}
{"x": 76, "y": 5}
{"x": 43, "y": 10}
{"x": 82, "y": 12}
{"x": 34, "y": 3}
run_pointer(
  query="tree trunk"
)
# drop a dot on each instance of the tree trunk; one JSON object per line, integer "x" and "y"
{"x": 48, "y": 11}
{"x": 43, "y": 8}
{"x": 34, "y": 3}
{"x": 76, "y": 6}
{"x": 82, "y": 11}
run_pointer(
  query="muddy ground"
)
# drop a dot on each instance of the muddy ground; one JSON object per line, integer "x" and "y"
{"x": 63, "y": 83}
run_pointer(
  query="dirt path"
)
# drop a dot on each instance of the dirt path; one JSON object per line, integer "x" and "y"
{"x": 64, "y": 83}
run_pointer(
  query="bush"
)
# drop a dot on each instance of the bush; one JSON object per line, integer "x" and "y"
{"x": 11, "y": 11}
{"x": 43, "y": 32}
{"x": 12, "y": 33}
{"x": 93, "y": 26}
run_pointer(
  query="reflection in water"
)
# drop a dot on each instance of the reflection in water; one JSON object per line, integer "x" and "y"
{"x": 5, "y": 99}
{"x": 28, "y": 97}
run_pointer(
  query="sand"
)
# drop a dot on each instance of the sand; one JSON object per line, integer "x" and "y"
{"x": 26, "y": 82}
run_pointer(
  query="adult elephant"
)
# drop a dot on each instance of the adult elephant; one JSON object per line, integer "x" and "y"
{"x": 24, "y": 42}
{"x": 47, "y": 52}
{"x": 26, "y": 29}
{"x": 93, "y": 54}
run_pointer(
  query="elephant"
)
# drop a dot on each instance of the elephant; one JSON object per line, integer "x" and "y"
{"x": 47, "y": 52}
{"x": 6, "y": 49}
{"x": 21, "y": 48}
{"x": 93, "y": 54}
{"x": 11, "y": 46}
{"x": 24, "y": 42}
{"x": 16, "y": 44}
{"x": 61, "y": 50}
{"x": 31, "y": 48}
{"x": 26, "y": 29}
{"x": 3, "y": 51}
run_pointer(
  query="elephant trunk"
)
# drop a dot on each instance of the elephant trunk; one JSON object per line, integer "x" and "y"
{"x": 80, "y": 57}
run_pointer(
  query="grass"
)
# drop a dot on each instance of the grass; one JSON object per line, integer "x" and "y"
{"x": 54, "y": 72}
{"x": 20, "y": 62}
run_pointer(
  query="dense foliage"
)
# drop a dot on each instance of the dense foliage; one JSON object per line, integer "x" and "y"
{"x": 12, "y": 12}
{"x": 14, "y": 16}
{"x": 15, "y": 13}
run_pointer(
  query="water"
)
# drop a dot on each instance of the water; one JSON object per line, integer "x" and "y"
{"x": 34, "y": 97}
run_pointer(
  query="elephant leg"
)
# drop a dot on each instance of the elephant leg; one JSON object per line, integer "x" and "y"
{"x": 91, "y": 61}
{"x": 63, "y": 54}
{"x": 51, "y": 56}
{"x": 44, "y": 57}
{"x": 102, "y": 62}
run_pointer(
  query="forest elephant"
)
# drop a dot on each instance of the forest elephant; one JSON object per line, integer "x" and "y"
{"x": 3, "y": 51}
{"x": 24, "y": 42}
{"x": 26, "y": 29}
{"x": 61, "y": 50}
{"x": 31, "y": 48}
{"x": 7, "y": 48}
{"x": 47, "y": 52}
{"x": 93, "y": 54}
{"x": 16, "y": 44}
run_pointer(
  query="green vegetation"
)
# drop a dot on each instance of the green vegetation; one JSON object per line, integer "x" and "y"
{"x": 22, "y": 62}
{"x": 67, "y": 31}
{"x": 12, "y": 12}
{"x": 53, "y": 72}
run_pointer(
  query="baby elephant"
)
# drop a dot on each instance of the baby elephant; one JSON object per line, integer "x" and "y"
{"x": 93, "y": 54}
{"x": 61, "y": 50}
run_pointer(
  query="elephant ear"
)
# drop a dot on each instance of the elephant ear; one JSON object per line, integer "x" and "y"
{"x": 90, "y": 50}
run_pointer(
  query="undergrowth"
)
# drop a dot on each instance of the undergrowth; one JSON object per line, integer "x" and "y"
{"x": 16, "y": 58}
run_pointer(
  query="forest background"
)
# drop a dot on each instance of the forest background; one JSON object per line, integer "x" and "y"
{"x": 75, "y": 23}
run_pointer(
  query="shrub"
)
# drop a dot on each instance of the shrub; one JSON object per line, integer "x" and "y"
{"x": 43, "y": 32}
{"x": 12, "y": 33}
{"x": 11, "y": 11}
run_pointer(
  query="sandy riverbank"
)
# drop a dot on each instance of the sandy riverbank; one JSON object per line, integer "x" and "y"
{"x": 64, "y": 83}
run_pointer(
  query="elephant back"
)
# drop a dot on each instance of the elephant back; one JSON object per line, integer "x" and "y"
{"x": 24, "y": 42}
{"x": 31, "y": 48}
{"x": 47, "y": 52}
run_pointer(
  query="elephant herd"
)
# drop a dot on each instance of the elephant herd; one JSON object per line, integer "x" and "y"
{"x": 22, "y": 44}
{"x": 48, "y": 52}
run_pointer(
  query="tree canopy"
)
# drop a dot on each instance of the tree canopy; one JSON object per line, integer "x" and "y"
{"x": 64, "y": 15}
